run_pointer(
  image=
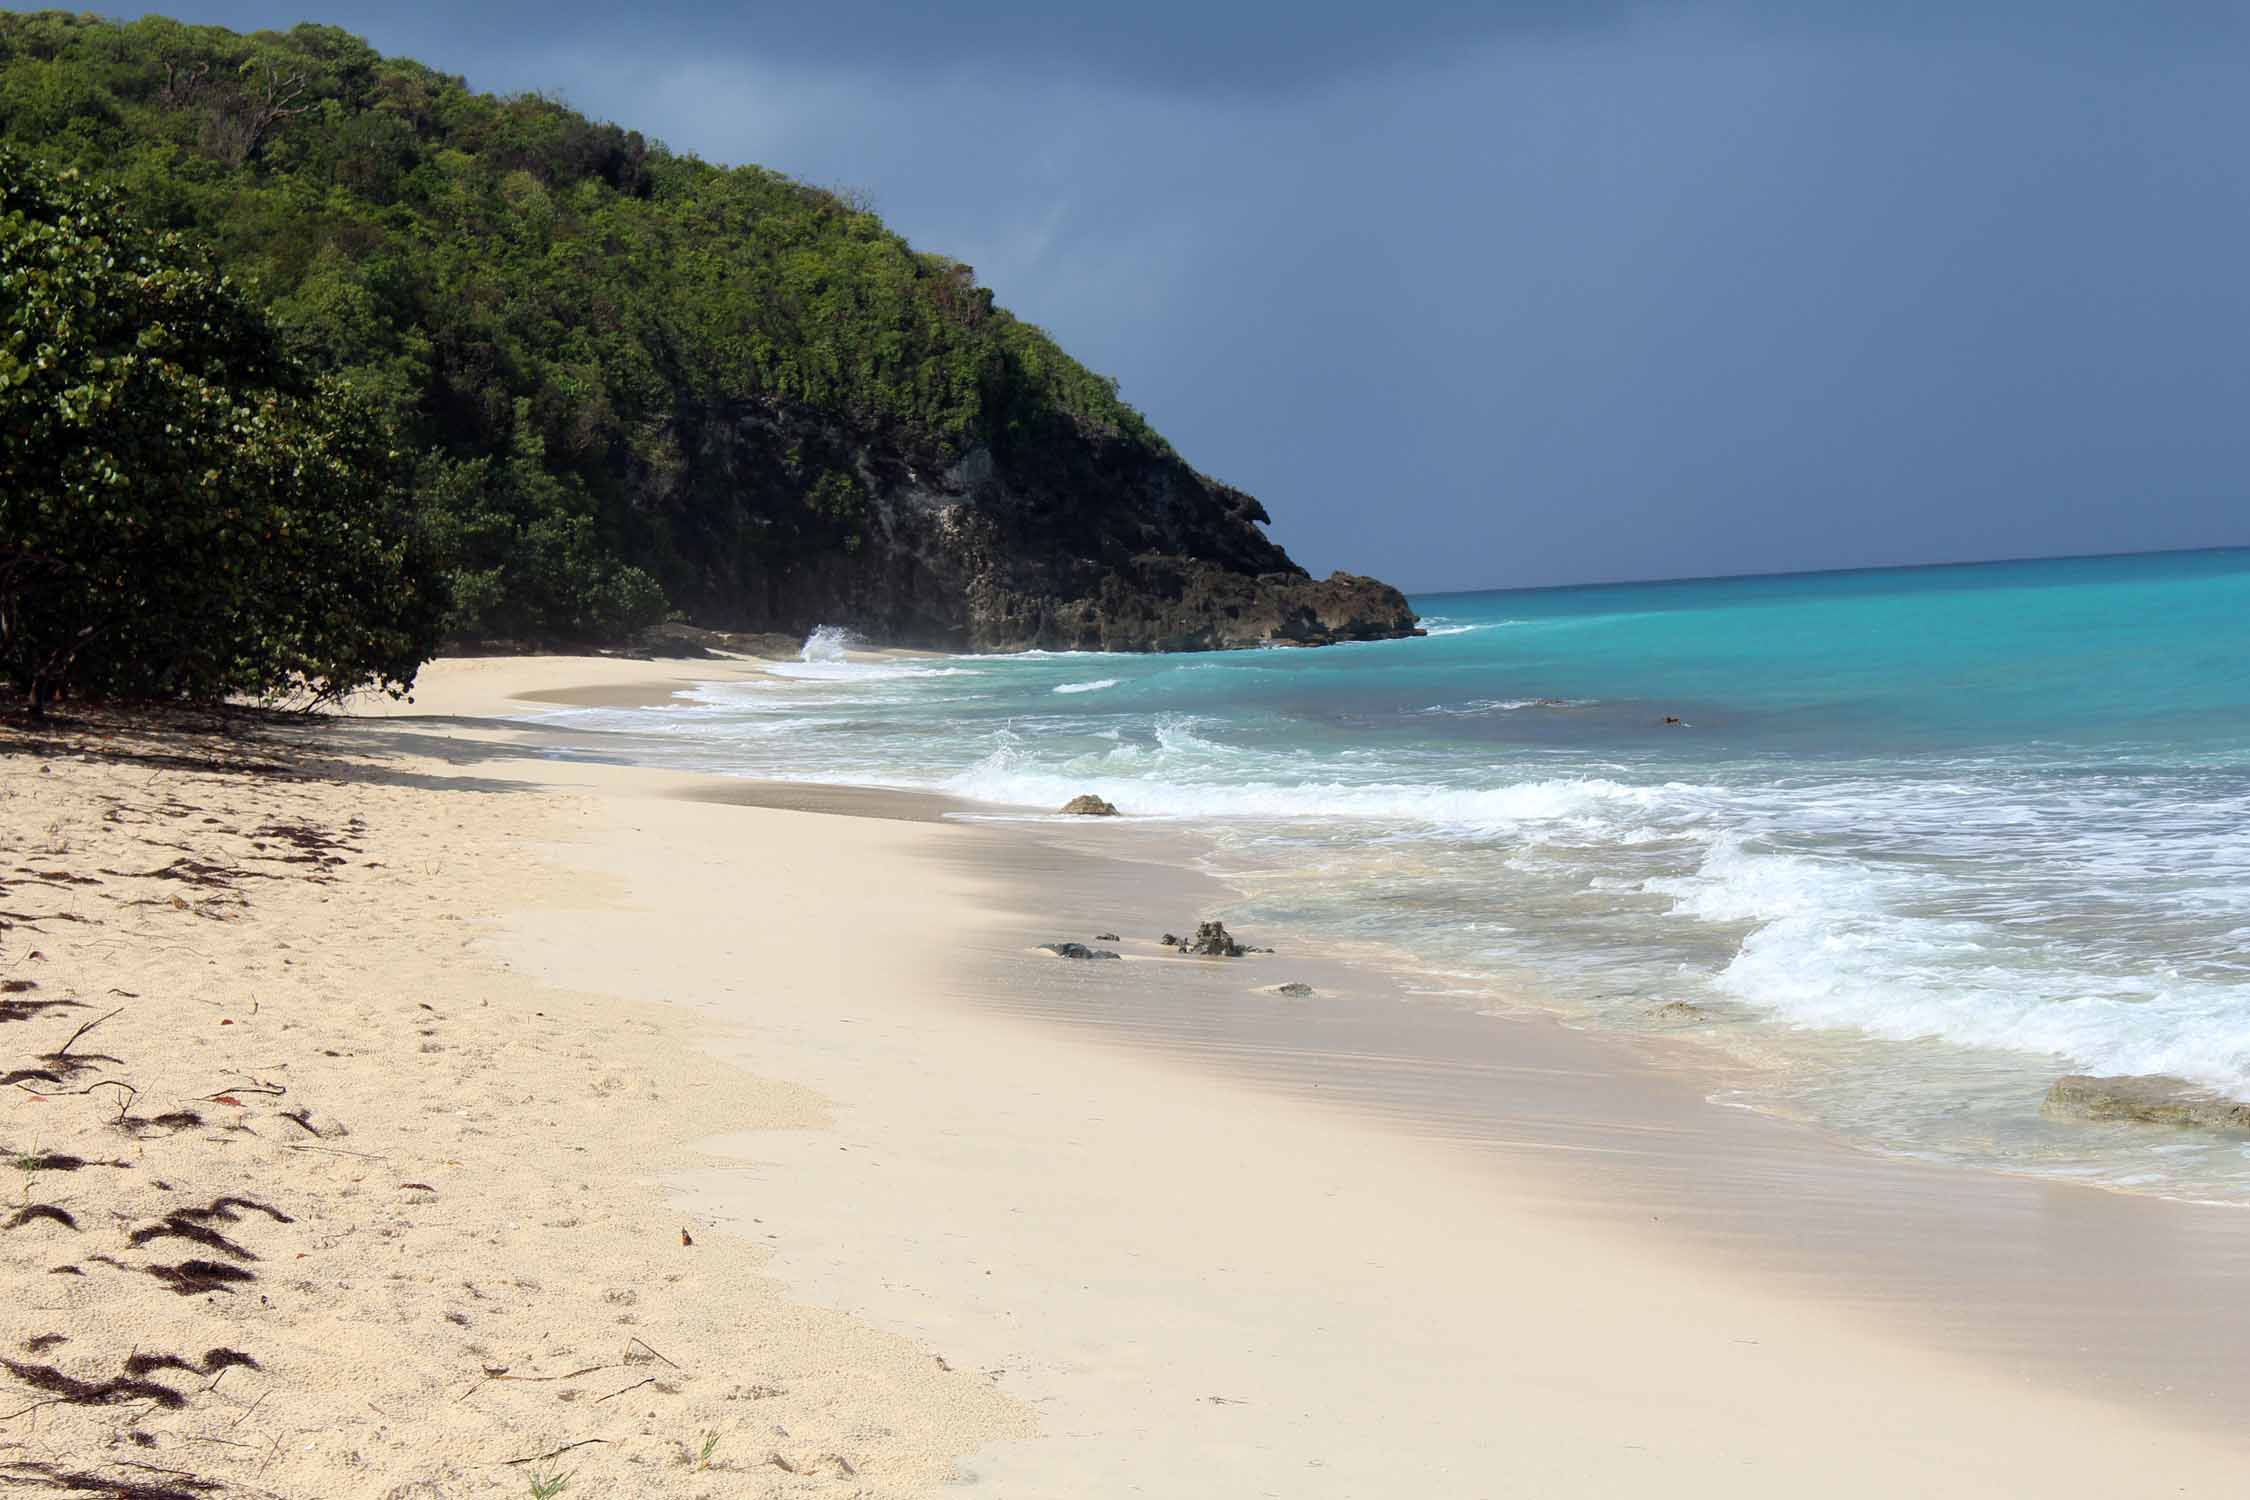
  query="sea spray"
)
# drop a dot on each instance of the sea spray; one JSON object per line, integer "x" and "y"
{"x": 829, "y": 643}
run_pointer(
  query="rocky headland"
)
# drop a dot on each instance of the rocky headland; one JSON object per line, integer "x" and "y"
{"x": 1084, "y": 540}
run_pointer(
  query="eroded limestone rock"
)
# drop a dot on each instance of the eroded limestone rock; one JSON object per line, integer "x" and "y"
{"x": 2144, "y": 1099}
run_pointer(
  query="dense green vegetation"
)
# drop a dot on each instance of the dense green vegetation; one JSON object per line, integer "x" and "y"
{"x": 185, "y": 510}
{"x": 581, "y": 338}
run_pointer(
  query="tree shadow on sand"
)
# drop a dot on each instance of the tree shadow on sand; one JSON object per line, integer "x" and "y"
{"x": 436, "y": 752}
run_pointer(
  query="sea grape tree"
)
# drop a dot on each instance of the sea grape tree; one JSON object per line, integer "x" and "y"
{"x": 185, "y": 511}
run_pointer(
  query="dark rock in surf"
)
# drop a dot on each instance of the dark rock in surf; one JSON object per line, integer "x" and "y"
{"x": 1105, "y": 937}
{"x": 1090, "y": 806}
{"x": 1212, "y": 940}
{"x": 1076, "y": 950}
{"x": 2144, "y": 1099}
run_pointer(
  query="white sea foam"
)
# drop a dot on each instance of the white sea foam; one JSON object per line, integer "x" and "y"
{"x": 1907, "y": 979}
{"x": 1439, "y": 625}
{"x": 1006, "y": 777}
{"x": 1737, "y": 884}
{"x": 1479, "y": 706}
{"x": 1095, "y": 686}
{"x": 860, "y": 671}
{"x": 827, "y": 656}
{"x": 1838, "y": 943}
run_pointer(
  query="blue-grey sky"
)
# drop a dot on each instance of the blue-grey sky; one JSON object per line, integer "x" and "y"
{"x": 1538, "y": 292}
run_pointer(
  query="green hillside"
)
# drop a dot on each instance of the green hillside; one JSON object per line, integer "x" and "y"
{"x": 628, "y": 380}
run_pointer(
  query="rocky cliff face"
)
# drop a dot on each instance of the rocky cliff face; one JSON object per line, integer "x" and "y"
{"x": 1056, "y": 540}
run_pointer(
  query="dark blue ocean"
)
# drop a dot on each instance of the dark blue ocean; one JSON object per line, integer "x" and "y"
{"x": 1911, "y": 841}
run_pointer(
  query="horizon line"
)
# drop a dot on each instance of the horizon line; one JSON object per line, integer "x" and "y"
{"x": 1915, "y": 567}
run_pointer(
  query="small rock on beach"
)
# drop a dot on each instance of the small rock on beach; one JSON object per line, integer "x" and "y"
{"x": 1077, "y": 950}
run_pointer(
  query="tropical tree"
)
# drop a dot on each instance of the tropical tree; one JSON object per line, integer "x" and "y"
{"x": 186, "y": 512}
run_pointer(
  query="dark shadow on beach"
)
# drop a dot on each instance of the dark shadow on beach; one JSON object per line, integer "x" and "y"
{"x": 286, "y": 745}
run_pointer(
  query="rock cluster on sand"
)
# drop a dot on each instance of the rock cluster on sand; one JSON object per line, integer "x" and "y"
{"x": 1077, "y": 950}
{"x": 1295, "y": 987}
{"x": 1087, "y": 805}
{"x": 1211, "y": 940}
{"x": 2143, "y": 1099}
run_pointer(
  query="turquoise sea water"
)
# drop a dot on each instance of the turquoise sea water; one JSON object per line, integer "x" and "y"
{"x": 1920, "y": 840}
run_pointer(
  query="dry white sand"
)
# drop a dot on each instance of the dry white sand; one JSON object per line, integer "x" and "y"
{"x": 457, "y": 1256}
{"x": 925, "y": 1228}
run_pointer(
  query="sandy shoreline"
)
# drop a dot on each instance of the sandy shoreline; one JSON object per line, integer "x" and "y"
{"x": 946, "y": 1192}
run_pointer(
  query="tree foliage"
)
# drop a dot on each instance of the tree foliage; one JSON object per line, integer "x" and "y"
{"x": 185, "y": 511}
{"x": 576, "y": 330}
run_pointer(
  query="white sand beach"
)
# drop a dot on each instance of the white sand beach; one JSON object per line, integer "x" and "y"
{"x": 692, "y": 1146}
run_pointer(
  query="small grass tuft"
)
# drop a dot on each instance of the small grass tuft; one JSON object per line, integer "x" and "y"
{"x": 703, "y": 1454}
{"x": 547, "y": 1486}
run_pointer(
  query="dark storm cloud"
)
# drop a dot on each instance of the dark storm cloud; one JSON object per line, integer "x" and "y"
{"x": 1176, "y": 46}
{"x": 1168, "y": 45}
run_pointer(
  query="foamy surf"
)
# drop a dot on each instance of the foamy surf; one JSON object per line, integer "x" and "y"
{"x": 845, "y": 670}
{"x": 828, "y": 655}
{"x": 1437, "y": 629}
{"x": 1504, "y": 706}
{"x": 1003, "y": 779}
